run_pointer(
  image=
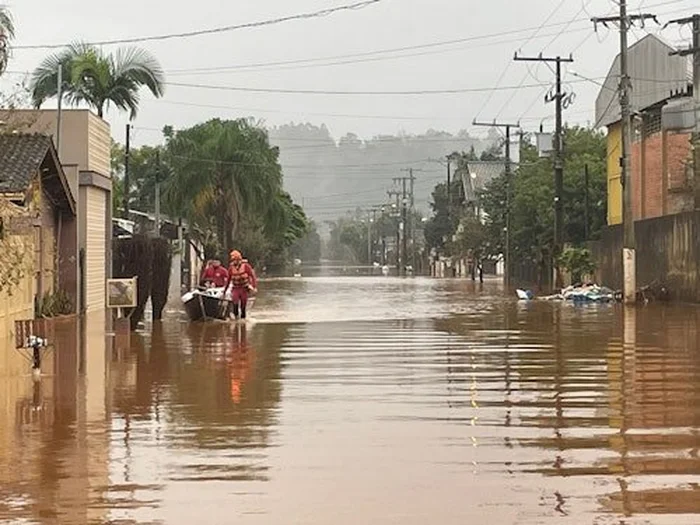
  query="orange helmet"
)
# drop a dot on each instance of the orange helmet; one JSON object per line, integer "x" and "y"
{"x": 235, "y": 255}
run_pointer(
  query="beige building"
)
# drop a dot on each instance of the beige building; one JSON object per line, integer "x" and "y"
{"x": 38, "y": 227}
{"x": 84, "y": 146}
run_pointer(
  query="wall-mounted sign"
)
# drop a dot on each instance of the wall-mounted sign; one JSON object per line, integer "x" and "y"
{"x": 122, "y": 293}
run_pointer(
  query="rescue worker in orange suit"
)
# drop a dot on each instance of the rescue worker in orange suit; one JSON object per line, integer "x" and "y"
{"x": 214, "y": 275}
{"x": 241, "y": 280}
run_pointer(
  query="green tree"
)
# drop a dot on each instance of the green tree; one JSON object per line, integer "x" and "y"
{"x": 98, "y": 80}
{"x": 308, "y": 247}
{"x": 348, "y": 240}
{"x": 7, "y": 33}
{"x": 225, "y": 177}
{"x": 443, "y": 223}
{"x": 222, "y": 171}
{"x": 532, "y": 195}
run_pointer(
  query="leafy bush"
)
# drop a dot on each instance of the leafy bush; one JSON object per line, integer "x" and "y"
{"x": 578, "y": 262}
{"x": 54, "y": 304}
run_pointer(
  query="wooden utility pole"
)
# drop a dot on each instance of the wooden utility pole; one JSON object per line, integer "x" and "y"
{"x": 628, "y": 244}
{"x": 694, "y": 51}
{"x": 508, "y": 173}
{"x": 557, "y": 98}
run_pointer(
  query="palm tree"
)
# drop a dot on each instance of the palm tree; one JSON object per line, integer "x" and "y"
{"x": 221, "y": 172}
{"x": 98, "y": 80}
{"x": 7, "y": 33}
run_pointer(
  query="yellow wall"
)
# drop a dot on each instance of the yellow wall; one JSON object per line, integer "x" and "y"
{"x": 614, "y": 173}
{"x": 20, "y": 303}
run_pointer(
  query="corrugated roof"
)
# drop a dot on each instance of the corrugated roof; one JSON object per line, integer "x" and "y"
{"x": 21, "y": 156}
{"x": 654, "y": 76}
{"x": 477, "y": 174}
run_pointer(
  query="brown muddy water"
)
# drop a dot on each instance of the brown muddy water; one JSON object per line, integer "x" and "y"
{"x": 364, "y": 400}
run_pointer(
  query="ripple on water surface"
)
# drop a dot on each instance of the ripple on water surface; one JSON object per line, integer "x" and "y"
{"x": 369, "y": 400}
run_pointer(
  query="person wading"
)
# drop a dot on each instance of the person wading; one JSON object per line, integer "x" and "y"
{"x": 241, "y": 280}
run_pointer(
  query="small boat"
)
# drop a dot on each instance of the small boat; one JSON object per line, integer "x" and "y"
{"x": 205, "y": 305}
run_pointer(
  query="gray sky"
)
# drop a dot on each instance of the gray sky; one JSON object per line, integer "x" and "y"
{"x": 389, "y": 24}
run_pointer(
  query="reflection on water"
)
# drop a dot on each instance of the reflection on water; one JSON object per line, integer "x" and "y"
{"x": 361, "y": 400}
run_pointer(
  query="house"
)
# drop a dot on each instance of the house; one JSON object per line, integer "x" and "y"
{"x": 33, "y": 182}
{"x": 84, "y": 150}
{"x": 661, "y": 172}
{"x": 476, "y": 175}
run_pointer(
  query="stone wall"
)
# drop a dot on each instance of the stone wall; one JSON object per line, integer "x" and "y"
{"x": 668, "y": 253}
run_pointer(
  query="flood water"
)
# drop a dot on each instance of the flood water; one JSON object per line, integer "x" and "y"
{"x": 364, "y": 400}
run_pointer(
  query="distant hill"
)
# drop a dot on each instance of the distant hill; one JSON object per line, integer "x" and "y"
{"x": 330, "y": 177}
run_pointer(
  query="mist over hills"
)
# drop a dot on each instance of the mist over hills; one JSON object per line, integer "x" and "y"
{"x": 330, "y": 177}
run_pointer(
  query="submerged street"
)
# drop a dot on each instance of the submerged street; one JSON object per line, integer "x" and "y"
{"x": 366, "y": 400}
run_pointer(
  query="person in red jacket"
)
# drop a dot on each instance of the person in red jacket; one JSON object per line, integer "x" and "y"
{"x": 241, "y": 280}
{"x": 215, "y": 274}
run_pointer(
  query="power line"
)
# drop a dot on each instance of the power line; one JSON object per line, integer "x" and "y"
{"x": 302, "y": 16}
{"x": 310, "y": 166}
{"x": 564, "y": 28}
{"x": 324, "y": 62}
{"x": 225, "y": 29}
{"x": 267, "y": 110}
{"x": 352, "y": 93}
{"x": 508, "y": 64}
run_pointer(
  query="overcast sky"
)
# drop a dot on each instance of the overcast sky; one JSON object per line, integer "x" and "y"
{"x": 389, "y": 24}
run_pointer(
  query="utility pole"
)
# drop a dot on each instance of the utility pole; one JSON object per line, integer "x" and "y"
{"x": 157, "y": 197}
{"x": 449, "y": 185}
{"x": 628, "y": 243}
{"x": 404, "y": 214}
{"x": 397, "y": 194}
{"x": 557, "y": 98}
{"x": 694, "y": 51}
{"x": 402, "y": 224}
{"x": 127, "y": 151}
{"x": 59, "y": 113}
{"x": 412, "y": 214}
{"x": 586, "y": 203}
{"x": 508, "y": 173}
{"x": 369, "y": 237}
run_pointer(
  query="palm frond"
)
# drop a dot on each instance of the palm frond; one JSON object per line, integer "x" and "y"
{"x": 44, "y": 80}
{"x": 7, "y": 33}
{"x": 140, "y": 67}
{"x": 7, "y": 26}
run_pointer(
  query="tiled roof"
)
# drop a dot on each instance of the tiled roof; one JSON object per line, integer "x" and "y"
{"x": 479, "y": 174}
{"x": 21, "y": 156}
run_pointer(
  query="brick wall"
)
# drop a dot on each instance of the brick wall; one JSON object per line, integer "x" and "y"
{"x": 647, "y": 160}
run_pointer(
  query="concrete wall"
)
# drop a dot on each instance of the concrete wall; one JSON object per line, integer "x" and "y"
{"x": 85, "y": 138}
{"x": 668, "y": 252}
